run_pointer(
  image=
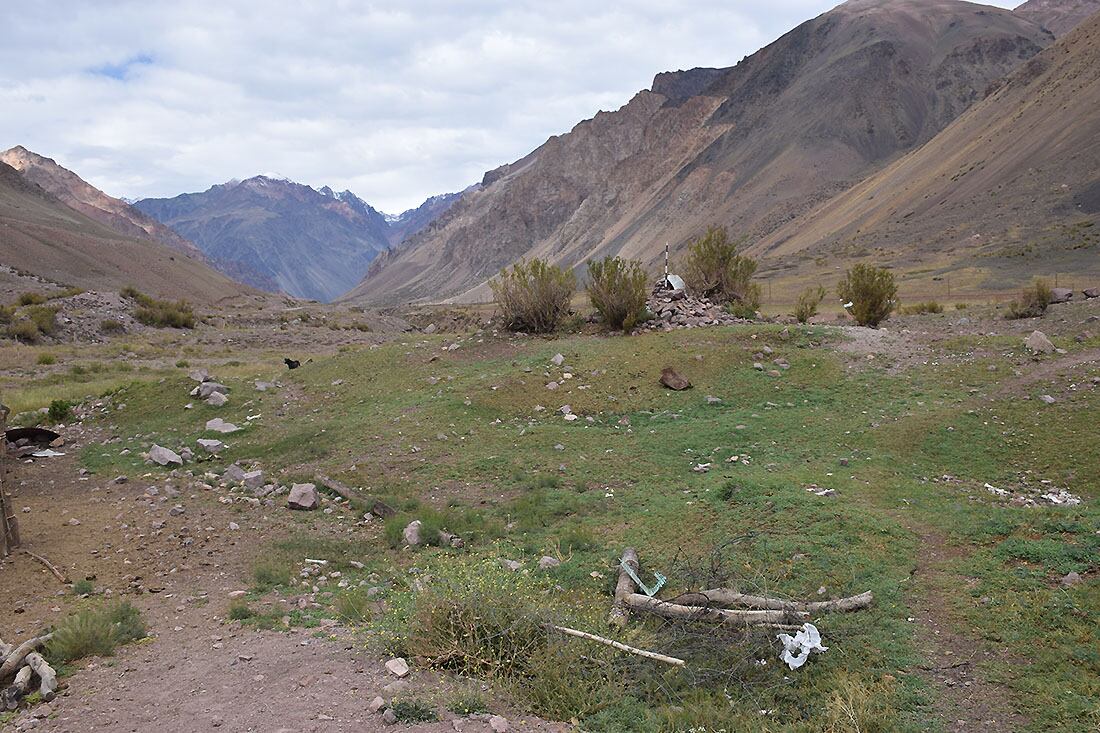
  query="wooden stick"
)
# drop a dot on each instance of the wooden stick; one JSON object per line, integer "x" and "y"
{"x": 335, "y": 486}
{"x": 49, "y": 565}
{"x": 18, "y": 689}
{"x": 620, "y": 612}
{"x": 640, "y": 602}
{"x": 15, "y": 660}
{"x": 48, "y": 678}
{"x": 621, "y": 647}
{"x": 730, "y": 598}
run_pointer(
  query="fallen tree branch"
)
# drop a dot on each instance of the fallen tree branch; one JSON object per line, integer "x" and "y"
{"x": 639, "y": 602}
{"x": 49, "y": 566}
{"x": 335, "y": 486}
{"x": 15, "y": 660}
{"x": 620, "y": 612}
{"x": 617, "y": 645}
{"x": 732, "y": 599}
{"x": 47, "y": 677}
{"x": 18, "y": 689}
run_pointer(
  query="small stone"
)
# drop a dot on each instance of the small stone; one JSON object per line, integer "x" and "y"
{"x": 303, "y": 497}
{"x": 163, "y": 456}
{"x": 210, "y": 445}
{"x": 376, "y": 704}
{"x": 671, "y": 379}
{"x": 221, "y": 426}
{"x": 498, "y": 724}
{"x": 557, "y": 360}
{"x": 546, "y": 562}
{"x": 513, "y": 565}
{"x": 1038, "y": 343}
{"x": 389, "y": 717}
{"x": 1071, "y": 579}
{"x": 1047, "y": 399}
{"x": 398, "y": 667}
{"x": 411, "y": 533}
{"x": 217, "y": 399}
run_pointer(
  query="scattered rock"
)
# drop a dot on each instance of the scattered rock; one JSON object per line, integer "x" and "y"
{"x": 411, "y": 533}
{"x": 221, "y": 426}
{"x": 217, "y": 399}
{"x": 1047, "y": 399}
{"x": 200, "y": 375}
{"x": 382, "y": 510}
{"x": 1071, "y": 579}
{"x": 1091, "y": 293}
{"x": 398, "y": 667}
{"x": 546, "y": 562}
{"x": 303, "y": 497}
{"x": 233, "y": 473}
{"x": 513, "y": 565}
{"x": 557, "y": 360}
{"x": 711, "y": 400}
{"x": 210, "y": 446}
{"x": 163, "y": 456}
{"x": 1038, "y": 343}
{"x": 1061, "y": 295}
{"x": 389, "y": 717}
{"x": 498, "y": 724}
{"x": 376, "y": 704}
{"x": 255, "y": 479}
{"x": 674, "y": 381}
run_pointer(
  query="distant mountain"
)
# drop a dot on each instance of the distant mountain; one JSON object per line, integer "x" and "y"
{"x": 279, "y": 235}
{"x": 412, "y": 221}
{"x": 1010, "y": 190}
{"x": 76, "y": 193}
{"x": 751, "y": 147}
{"x": 41, "y": 234}
{"x": 1058, "y": 16}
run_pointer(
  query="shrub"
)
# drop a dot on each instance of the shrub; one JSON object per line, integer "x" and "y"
{"x": 7, "y": 312}
{"x": 59, "y": 410}
{"x": 45, "y": 359}
{"x": 95, "y": 632}
{"x": 413, "y": 711}
{"x": 713, "y": 269}
{"x": 534, "y": 296}
{"x": 808, "y": 302}
{"x": 109, "y": 325}
{"x": 1033, "y": 301}
{"x": 269, "y": 573}
{"x": 239, "y": 610}
{"x": 44, "y": 317}
{"x": 32, "y": 299}
{"x": 920, "y": 309}
{"x": 83, "y": 587}
{"x": 617, "y": 289}
{"x": 160, "y": 313}
{"x": 871, "y": 291}
{"x": 468, "y": 703}
{"x": 961, "y": 306}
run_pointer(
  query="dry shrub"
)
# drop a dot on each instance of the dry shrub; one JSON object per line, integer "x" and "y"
{"x": 808, "y": 302}
{"x": 617, "y": 289}
{"x": 713, "y": 269}
{"x": 32, "y": 299}
{"x": 534, "y": 296}
{"x": 872, "y": 292}
{"x": 160, "y": 313}
{"x": 920, "y": 309}
{"x": 856, "y": 706}
{"x": 95, "y": 632}
{"x": 1033, "y": 301}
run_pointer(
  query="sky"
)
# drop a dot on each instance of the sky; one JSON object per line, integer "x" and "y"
{"x": 395, "y": 101}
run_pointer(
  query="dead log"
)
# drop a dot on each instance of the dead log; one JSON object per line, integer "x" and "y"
{"x": 617, "y": 645}
{"x": 49, "y": 566}
{"x": 335, "y": 486}
{"x": 18, "y": 689}
{"x": 620, "y": 612}
{"x": 732, "y": 599}
{"x": 15, "y": 660}
{"x": 47, "y": 686}
{"x": 639, "y": 602}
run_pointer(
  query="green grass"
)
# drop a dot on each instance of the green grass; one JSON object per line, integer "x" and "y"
{"x": 459, "y": 444}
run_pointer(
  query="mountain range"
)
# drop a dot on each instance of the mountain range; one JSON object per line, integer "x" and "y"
{"x": 754, "y": 147}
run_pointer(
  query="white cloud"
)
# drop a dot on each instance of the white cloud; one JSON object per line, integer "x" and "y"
{"x": 393, "y": 100}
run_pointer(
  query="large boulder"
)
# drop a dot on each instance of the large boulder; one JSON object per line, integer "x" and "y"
{"x": 672, "y": 379}
{"x": 234, "y": 473}
{"x": 163, "y": 456}
{"x": 303, "y": 497}
{"x": 411, "y": 533}
{"x": 1061, "y": 295}
{"x": 1091, "y": 293}
{"x": 1038, "y": 343}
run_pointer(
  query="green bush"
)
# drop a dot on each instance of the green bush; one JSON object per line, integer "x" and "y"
{"x": 59, "y": 410}
{"x": 617, "y": 289}
{"x": 95, "y": 632}
{"x": 808, "y": 301}
{"x": 269, "y": 573}
{"x": 160, "y": 313}
{"x": 239, "y": 610}
{"x": 109, "y": 325}
{"x": 871, "y": 291}
{"x": 920, "y": 309}
{"x": 32, "y": 299}
{"x": 45, "y": 359}
{"x": 713, "y": 269}
{"x": 1033, "y": 301}
{"x": 533, "y": 296}
{"x": 7, "y": 312}
{"x": 468, "y": 703}
{"x": 83, "y": 587}
{"x": 413, "y": 711}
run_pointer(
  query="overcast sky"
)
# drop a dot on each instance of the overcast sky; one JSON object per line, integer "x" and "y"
{"x": 395, "y": 101}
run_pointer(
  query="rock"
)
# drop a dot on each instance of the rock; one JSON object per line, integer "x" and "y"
{"x": 206, "y": 389}
{"x": 411, "y": 533}
{"x": 1071, "y": 579}
{"x": 163, "y": 456}
{"x": 674, "y": 381}
{"x": 200, "y": 375}
{"x": 512, "y": 565}
{"x": 217, "y": 399}
{"x": 209, "y": 445}
{"x": 1091, "y": 293}
{"x": 255, "y": 479}
{"x": 382, "y": 510}
{"x": 303, "y": 497}
{"x": 398, "y": 667}
{"x": 1061, "y": 295}
{"x": 758, "y": 366}
{"x": 1047, "y": 399}
{"x": 711, "y": 400}
{"x": 376, "y": 704}
{"x": 186, "y": 454}
{"x": 221, "y": 426}
{"x": 557, "y": 360}
{"x": 263, "y": 386}
{"x": 1038, "y": 343}
{"x": 234, "y": 473}
{"x": 431, "y": 328}
{"x": 389, "y": 717}
{"x": 546, "y": 562}
{"x": 498, "y": 724}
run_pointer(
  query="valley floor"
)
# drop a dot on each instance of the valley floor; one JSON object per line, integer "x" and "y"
{"x": 910, "y": 461}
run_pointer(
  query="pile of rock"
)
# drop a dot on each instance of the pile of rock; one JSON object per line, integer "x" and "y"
{"x": 674, "y": 309}
{"x": 211, "y": 391}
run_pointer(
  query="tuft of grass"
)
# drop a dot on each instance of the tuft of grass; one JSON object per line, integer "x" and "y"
{"x": 239, "y": 610}
{"x": 23, "y": 330}
{"x": 59, "y": 410}
{"x": 269, "y": 573}
{"x": 45, "y": 359}
{"x": 920, "y": 309}
{"x": 354, "y": 605}
{"x": 95, "y": 632}
{"x": 160, "y": 313}
{"x": 468, "y": 703}
{"x": 32, "y": 299}
{"x": 412, "y": 710}
{"x": 83, "y": 587}
{"x": 109, "y": 325}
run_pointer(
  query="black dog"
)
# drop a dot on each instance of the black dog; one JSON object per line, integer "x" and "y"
{"x": 292, "y": 363}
